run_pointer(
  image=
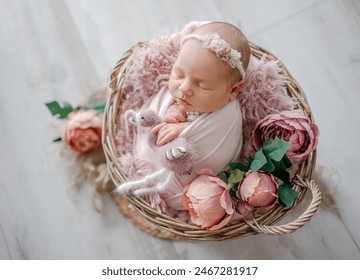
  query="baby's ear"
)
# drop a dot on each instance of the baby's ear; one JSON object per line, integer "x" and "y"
{"x": 235, "y": 89}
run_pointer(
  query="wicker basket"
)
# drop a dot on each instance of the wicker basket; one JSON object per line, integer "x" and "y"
{"x": 148, "y": 219}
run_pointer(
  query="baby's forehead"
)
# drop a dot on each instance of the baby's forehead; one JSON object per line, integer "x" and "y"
{"x": 191, "y": 45}
{"x": 192, "y": 51}
{"x": 192, "y": 56}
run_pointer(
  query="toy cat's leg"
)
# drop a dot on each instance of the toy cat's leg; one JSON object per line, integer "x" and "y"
{"x": 175, "y": 153}
{"x": 160, "y": 187}
{"x": 125, "y": 187}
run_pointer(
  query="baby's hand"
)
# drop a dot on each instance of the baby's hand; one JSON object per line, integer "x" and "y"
{"x": 175, "y": 115}
{"x": 175, "y": 118}
{"x": 168, "y": 131}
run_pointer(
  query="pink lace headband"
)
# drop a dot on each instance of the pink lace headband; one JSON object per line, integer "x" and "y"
{"x": 221, "y": 48}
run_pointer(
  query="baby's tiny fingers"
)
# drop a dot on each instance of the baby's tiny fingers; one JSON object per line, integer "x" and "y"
{"x": 164, "y": 138}
{"x": 157, "y": 128}
{"x": 171, "y": 120}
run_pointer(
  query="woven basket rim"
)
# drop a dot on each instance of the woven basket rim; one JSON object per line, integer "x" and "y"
{"x": 137, "y": 210}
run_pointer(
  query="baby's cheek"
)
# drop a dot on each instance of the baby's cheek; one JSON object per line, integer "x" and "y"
{"x": 172, "y": 86}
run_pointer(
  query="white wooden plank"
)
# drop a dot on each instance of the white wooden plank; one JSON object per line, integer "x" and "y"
{"x": 108, "y": 28}
{"x": 316, "y": 240}
{"x": 4, "y": 251}
{"x": 257, "y": 15}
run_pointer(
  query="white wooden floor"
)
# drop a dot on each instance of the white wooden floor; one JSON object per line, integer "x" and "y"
{"x": 65, "y": 49}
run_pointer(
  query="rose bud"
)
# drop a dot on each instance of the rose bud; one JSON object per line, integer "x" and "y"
{"x": 258, "y": 189}
{"x": 208, "y": 200}
{"x": 81, "y": 131}
{"x": 242, "y": 211}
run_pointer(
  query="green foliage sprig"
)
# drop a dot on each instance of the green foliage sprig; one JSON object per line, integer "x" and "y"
{"x": 63, "y": 111}
{"x": 271, "y": 159}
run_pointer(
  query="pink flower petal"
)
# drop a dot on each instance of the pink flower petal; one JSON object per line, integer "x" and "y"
{"x": 248, "y": 185}
{"x": 226, "y": 202}
{"x": 223, "y": 223}
{"x": 263, "y": 199}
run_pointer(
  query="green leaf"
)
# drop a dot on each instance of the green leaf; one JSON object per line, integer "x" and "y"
{"x": 98, "y": 107}
{"x": 282, "y": 205}
{"x": 240, "y": 166}
{"x": 280, "y": 171}
{"x": 277, "y": 149}
{"x": 269, "y": 166}
{"x": 235, "y": 176}
{"x": 57, "y": 139}
{"x": 56, "y": 109}
{"x": 286, "y": 162}
{"x": 249, "y": 160}
{"x": 286, "y": 194}
{"x": 223, "y": 175}
{"x": 233, "y": 195}
{"x": 259, "y": 161}
{"x": 234, "y": 187}
{"x": 267, "y": 142}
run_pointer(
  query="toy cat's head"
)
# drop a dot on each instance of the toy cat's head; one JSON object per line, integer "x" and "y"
{"x": 146, "y": 118}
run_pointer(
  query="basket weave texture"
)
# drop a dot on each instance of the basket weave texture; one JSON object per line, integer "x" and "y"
{"x": 148, "y": 219}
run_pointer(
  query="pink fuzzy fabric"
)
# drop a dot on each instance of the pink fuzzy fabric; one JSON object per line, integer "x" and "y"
{"x": 263, "y": 93}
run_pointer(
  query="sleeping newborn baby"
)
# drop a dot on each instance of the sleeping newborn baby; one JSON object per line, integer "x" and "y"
{"x": 200, "y": 105}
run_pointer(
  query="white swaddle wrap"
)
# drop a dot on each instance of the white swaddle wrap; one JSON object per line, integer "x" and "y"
{"x": 215, "y": 137}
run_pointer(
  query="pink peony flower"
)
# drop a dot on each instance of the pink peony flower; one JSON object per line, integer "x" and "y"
{"x": 208, "y": 200}
{"x": 292, "y": 126}
{"x": 258, "y": 189}
{"x": 245, "y": 210}
{"x": 81, "y": 131}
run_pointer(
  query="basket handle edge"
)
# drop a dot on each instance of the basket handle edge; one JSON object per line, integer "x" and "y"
{"x": 301, "y": 220}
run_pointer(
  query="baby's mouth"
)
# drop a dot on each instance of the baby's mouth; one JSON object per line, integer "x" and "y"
{"x": 183, "y": 102}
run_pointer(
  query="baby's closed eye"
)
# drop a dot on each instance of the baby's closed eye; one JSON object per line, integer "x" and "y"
{"x": 204, "y": 86}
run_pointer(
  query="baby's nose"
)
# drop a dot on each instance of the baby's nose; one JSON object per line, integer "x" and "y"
{"x": 185, "y": 88}
{"x": 179, "y": 94}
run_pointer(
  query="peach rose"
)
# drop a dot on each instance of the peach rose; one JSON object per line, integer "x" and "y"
{"x": 258, "y": 189}
{"x": 81, "y": 131}
{"x": 208, "y": 200}
{"x": 292, "y": 126}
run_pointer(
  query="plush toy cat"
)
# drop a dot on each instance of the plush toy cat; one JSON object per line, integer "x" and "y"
{"x": 174, "y": 156}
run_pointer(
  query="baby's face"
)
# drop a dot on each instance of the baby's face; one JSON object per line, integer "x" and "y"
{"x": 199, "y": 80}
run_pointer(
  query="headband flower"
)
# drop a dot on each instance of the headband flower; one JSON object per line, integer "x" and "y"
{"x": 221, "y": 48}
